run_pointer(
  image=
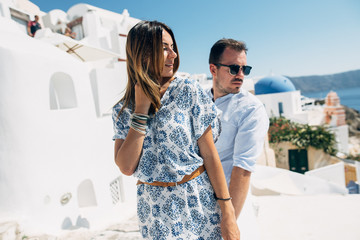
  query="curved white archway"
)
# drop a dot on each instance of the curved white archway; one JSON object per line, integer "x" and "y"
{"x": 62, "y": 92}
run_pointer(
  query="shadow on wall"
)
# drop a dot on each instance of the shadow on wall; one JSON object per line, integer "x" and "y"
{"x": 80, "y": 223}
{"x": 86, "y": 198}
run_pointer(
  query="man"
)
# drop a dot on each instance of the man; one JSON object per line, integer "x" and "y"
{"x": 33, "y": 26}
{"x": 244, "y": 121}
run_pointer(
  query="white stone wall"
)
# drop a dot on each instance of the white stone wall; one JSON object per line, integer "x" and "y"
{"x": 334, "y": 173}
{"x": 56, "y": 152}
{"x": 342, "y": 138}
{"x": 290, "y": 100}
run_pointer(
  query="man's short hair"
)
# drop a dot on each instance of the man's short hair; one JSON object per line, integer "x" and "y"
{"x": 219, "y": 47}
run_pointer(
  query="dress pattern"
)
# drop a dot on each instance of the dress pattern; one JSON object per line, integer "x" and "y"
{"x": 170, "y": 151}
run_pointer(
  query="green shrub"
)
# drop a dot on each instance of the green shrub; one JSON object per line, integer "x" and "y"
{"x": 301, "y": 135}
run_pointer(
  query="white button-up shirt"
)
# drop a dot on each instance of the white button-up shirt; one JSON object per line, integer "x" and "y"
{"x": 244, "y": 123}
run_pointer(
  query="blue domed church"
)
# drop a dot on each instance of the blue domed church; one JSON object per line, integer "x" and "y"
{"x": 274, "y": 84}
{"x": 280, "y": 98}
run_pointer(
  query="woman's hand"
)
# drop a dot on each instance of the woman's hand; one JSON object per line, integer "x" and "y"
{"x": 128, "y": 151}
{"x": 229, "y": 228}
{"x": 142, "y": 102}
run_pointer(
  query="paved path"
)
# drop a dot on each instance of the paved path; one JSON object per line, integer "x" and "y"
{"x": 128, "y": 230}
{"x": 328, "y": 217}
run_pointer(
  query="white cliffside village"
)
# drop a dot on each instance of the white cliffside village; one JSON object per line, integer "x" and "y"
{"x": 56, "y": 93}
{"x": 57, "y": 169}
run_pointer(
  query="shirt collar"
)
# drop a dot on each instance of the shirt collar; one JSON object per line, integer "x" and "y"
{"x": 223, "y": 98}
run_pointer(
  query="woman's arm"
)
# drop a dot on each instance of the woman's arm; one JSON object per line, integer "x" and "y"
{"x": 127, "y": 152}
{"x": 216, "y": 174}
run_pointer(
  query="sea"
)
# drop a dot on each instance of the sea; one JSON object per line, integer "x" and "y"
{"x": 349, "y": 97}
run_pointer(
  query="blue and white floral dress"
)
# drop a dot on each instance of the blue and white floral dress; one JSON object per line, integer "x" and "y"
{"x": 170, "y": 151}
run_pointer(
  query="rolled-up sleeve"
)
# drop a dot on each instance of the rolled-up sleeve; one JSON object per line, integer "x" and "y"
{"x": 121, "y": 123}
{"x": 249, "y": 140}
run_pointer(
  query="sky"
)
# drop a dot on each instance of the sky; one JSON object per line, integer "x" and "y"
{"x": 290, "y": 38}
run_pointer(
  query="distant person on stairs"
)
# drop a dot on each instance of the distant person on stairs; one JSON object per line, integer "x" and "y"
{"x": 70, "y": 33}
{"x": 33, "y": 26}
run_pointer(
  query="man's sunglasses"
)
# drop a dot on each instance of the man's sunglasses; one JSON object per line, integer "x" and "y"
{"x": 234, "y": 69}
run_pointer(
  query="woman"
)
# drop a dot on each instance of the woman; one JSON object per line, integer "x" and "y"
{"x": 163, "y": 137}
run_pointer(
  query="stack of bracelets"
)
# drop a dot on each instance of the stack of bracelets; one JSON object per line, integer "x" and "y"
{"x": 139, "y": 122}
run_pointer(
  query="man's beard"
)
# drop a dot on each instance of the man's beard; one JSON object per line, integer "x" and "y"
{"x": 228, "y": 89}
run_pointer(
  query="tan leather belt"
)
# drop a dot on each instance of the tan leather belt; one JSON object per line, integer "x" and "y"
{"x": 186, "y": 178}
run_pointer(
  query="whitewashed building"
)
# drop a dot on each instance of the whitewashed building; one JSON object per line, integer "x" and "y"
{"x": 280, "y": 98}
{"x": 56, "y": 151}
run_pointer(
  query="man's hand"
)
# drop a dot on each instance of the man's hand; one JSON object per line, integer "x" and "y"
{"x": 229, "y": 227}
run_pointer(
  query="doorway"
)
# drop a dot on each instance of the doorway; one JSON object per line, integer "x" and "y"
{"x": 298, "y": 160}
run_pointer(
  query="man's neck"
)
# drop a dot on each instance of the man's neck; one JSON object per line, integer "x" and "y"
{"x": 216, "y": 94}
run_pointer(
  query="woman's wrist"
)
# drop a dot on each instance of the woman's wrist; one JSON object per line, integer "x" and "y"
{"x": 142, "y": 108}
{"x": 138, "y": 122}
{"x": 141, "y": 111}
{"x": 222, "y": 199}
{"x": 226, "y": 207}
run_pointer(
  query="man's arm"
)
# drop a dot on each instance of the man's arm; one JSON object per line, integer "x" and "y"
{"x": 249, "y": 142}
{"x": 238, "y": 188}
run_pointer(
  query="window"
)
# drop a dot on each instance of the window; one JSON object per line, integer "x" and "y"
{"x": 20, "y": 18}
{"x": 117, "y": 190}
{"x": 76, "y": 26}
{"x": 281, "y": 110}
{"x": 86, "y": 194}
{"x": 62, "y": 92}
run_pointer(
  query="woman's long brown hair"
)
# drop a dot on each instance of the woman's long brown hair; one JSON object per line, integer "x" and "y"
{"x": 145, "y": 62}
